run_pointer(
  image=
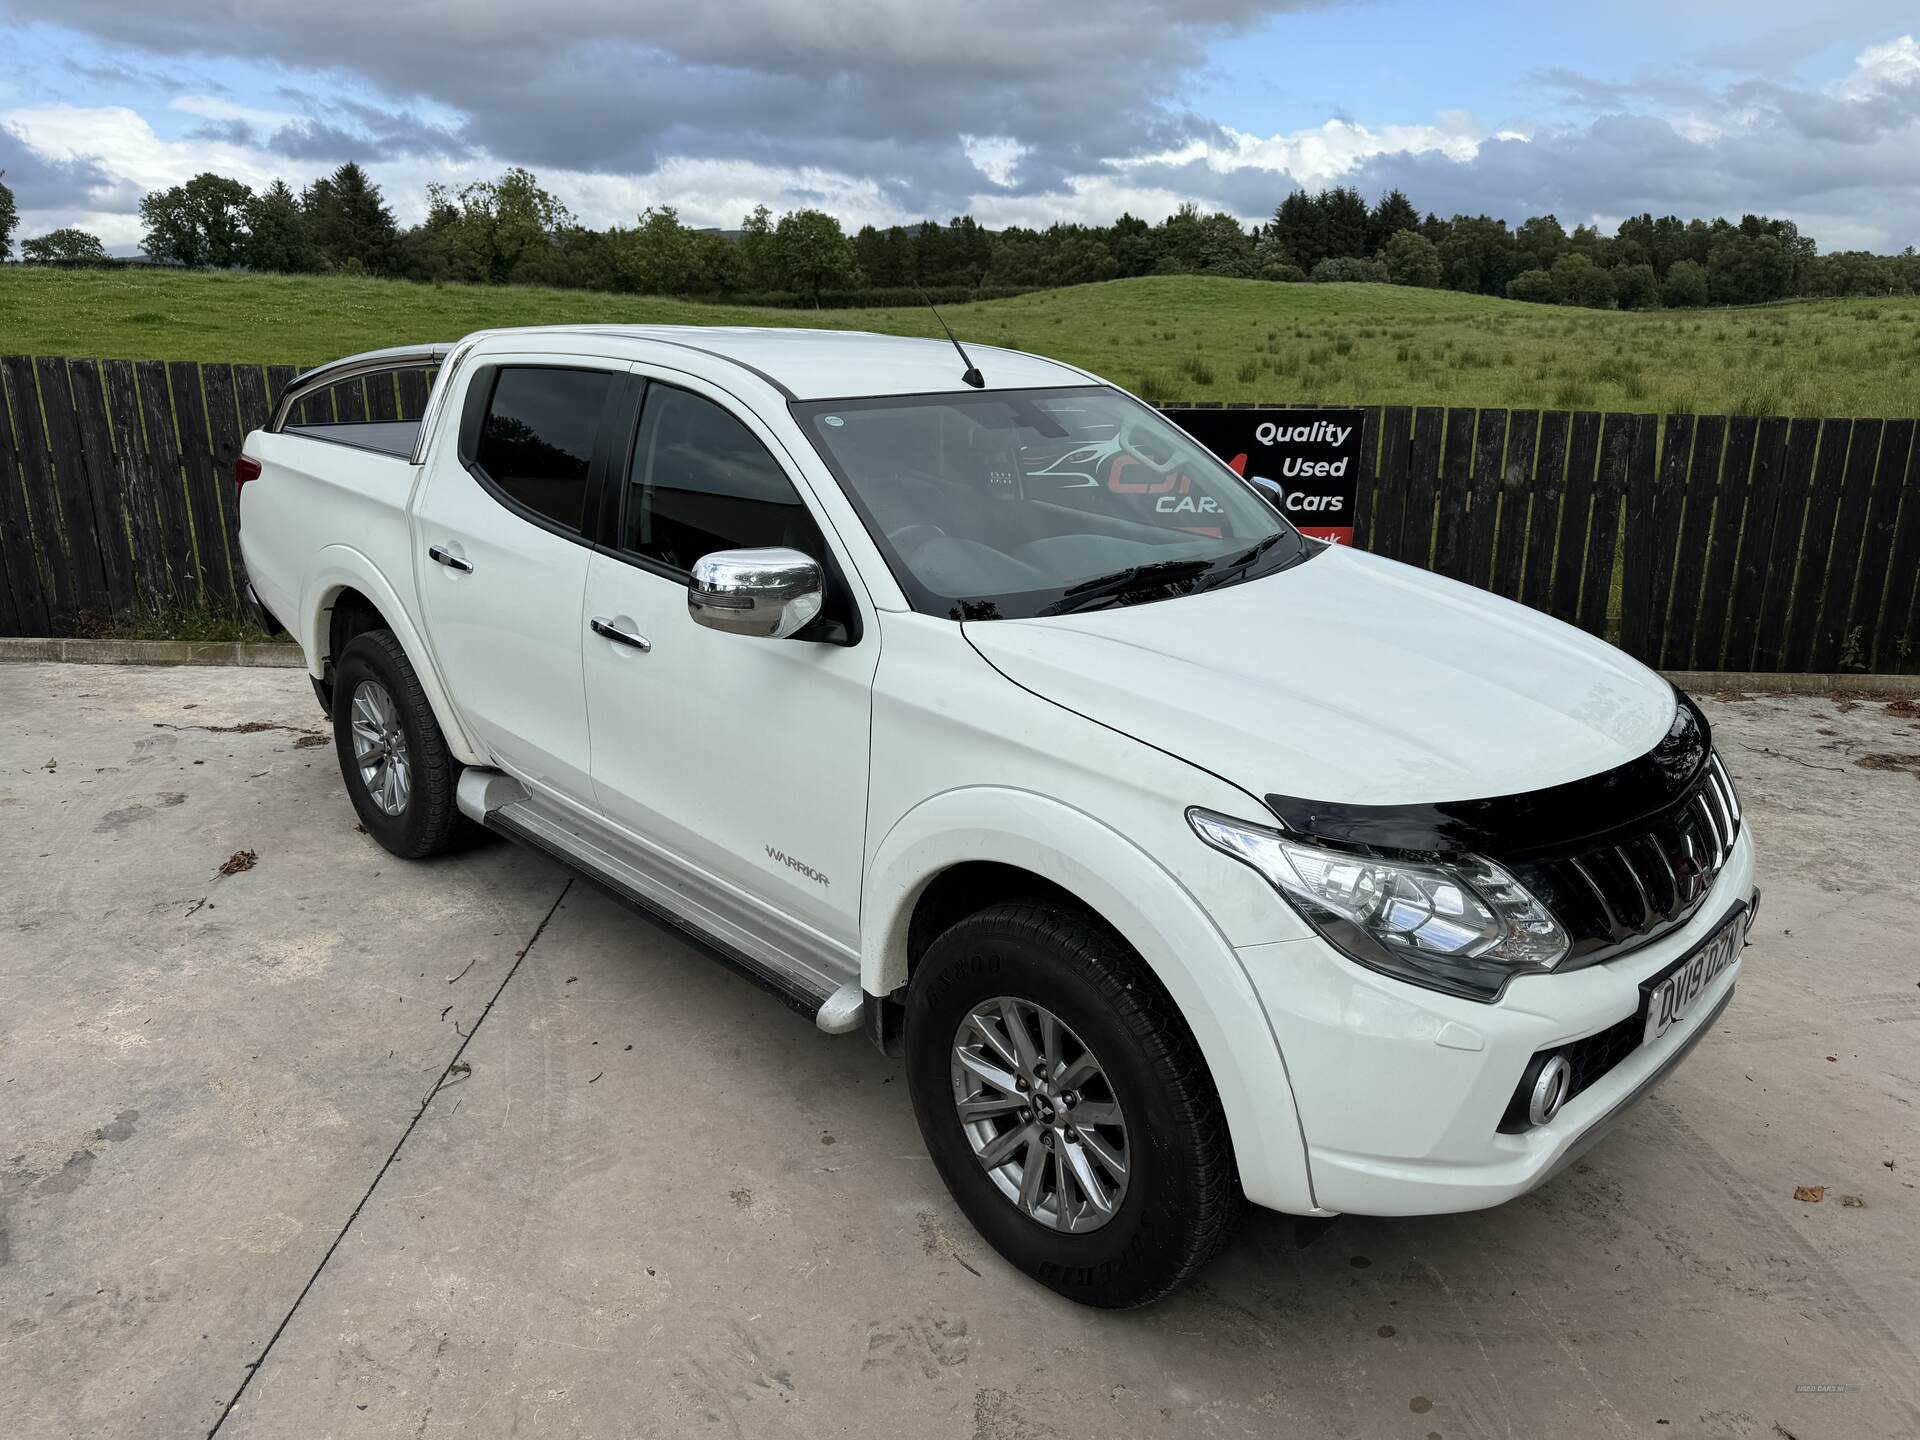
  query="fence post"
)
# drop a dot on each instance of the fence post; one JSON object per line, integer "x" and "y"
{"x": 1731, "y": 498}
{"x": 25, "y": 584}
{"x": 1879, "y": 581}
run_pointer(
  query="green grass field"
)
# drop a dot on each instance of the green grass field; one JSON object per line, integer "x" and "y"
{"x": 1183, "y": 337}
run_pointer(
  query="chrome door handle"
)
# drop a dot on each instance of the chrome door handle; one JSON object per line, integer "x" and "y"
{"x": 452, "y": 561}
{"x": 603, "y": 626}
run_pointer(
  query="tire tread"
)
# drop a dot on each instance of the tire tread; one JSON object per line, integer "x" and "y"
{"x": 1083, "y": 943}
{"x": 436, "y": 774}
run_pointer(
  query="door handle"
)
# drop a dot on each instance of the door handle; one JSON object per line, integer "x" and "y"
{"x": 603, "y": 626}
{"x": 452, "y": 561}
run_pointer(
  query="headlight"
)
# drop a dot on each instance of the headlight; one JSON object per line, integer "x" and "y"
{"x": 1464, "y": 927}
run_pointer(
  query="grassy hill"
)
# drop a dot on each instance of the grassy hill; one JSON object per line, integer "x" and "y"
{"x": 1176, "y": 337}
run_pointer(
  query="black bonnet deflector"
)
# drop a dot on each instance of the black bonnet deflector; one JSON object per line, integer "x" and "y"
{"x": 1536, "y": 822}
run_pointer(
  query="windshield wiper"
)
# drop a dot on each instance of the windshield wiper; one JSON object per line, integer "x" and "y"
{"x": 1243, "y": 560}
{"x": 1120, "y": 582}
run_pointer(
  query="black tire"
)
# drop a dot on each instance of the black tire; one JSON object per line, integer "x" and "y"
{"x": 429, "y": 821}
{"x": 1182, "y": 1194}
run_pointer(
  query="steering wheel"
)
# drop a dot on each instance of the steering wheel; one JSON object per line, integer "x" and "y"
{"x": 912, "y": 537}
{"x": 1129, "y": 427}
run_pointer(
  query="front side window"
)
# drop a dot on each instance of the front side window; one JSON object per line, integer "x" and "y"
{"x": 701, "y": 482}
{"x": 537, "y": 437}
{"x": 1017, "y": 503}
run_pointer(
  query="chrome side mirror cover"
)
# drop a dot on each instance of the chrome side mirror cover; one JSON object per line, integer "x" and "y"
{"x": 769, "y": 593}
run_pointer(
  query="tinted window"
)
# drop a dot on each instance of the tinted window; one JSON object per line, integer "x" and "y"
{"x": 536, "y": 441}
{"x": 701, "y": 482}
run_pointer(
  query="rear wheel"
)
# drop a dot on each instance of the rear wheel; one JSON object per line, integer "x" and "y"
{"x": 394, "y": 759}
{"x": 1065, "y": 1104}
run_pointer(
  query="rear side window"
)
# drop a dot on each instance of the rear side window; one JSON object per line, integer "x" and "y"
{"x": 537, "y": 437}
{"x": 701, "y": 482}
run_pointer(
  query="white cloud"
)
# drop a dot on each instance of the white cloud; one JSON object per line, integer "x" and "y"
{"x": 994, "y": 156}
{"x": 212, "y": 107}
{"x": 1322, "y": 155}
{"x": 1895, "y": 64}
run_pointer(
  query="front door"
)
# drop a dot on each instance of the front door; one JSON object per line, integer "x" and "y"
{"x": 742, "y": 760}
{"x": 502, "y": 530}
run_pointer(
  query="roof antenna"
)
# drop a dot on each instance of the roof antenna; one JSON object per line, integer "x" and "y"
{"x": 972, "y": 375}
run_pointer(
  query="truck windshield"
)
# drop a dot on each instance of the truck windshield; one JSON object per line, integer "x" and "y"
{"x": 1015, "y": 503}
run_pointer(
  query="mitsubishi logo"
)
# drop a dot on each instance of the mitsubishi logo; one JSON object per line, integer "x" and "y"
{"x": 1689, "y": 872}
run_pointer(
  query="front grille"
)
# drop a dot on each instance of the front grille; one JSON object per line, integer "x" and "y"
{"x": 1594, "y": 1056}
{"x": 1618, "y": 894}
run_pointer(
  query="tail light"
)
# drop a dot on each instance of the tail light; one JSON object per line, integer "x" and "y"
{"x": 244, "y": 469}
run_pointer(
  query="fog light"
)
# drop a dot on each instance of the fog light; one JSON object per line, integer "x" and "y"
{"x": 1549, "y": 1091}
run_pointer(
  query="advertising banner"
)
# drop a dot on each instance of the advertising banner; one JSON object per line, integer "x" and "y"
{"x": 1308, "y": 461}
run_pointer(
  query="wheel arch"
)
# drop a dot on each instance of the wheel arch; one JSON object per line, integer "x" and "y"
{"x": 989, "y": 844}
{"x": 346, "y": 595}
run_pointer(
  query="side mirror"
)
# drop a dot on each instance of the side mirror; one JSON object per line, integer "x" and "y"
{"x": 770, "y": 593}
{"x": 1273, "y": 490}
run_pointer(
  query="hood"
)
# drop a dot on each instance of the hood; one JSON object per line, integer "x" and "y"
{"x": 1348, "y": 678}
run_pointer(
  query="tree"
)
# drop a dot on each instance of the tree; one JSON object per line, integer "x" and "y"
{"x": 1344, "y": 220}
{"x": 969, "y": 251}
{"x": 1636, "y": 287}
{"x": 1077, "y": 257}
{"x": 1745, "y": 269}
{"x": 757, "y": 251}
{"x": 1299, "y": 230}
{"x": 349, "y": 222}
{"x": 812, "y": 251}
{"x": 1539, "y": 242}
{"x": 1851, "y": 272}
{"x": 425, "y": 252}
{"x": 1685, "y": 286}
{"x": 1393, "y": 213}
{"x": 1578, "y": 281}
{"x": 202, "y": 222}
{"x": 9, "y": 217}
{"x": 276, "y": 237}
{"x": 1411, "y": 259}
{"x": 1337, "y": 269}
{"x": 500, "y": 222}
{"x": 657, "y": 258}
{"x": 1132, "y": 245}
{"x": 67, "y": 245}
{"x": 1533, "y": 286}
{"x": 1196, "y": 244}
{"x": 1272, "y": 260}
{"x": 1477, "y": 255}
{"x": 1020, "y": 257}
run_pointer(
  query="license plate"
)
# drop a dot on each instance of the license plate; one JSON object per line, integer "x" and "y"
{"x": 1668, "y": 995}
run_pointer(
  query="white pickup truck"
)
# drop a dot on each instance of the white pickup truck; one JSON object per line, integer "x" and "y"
{"x": 1183, "y": 858}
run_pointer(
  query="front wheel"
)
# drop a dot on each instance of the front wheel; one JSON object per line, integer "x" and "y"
{"x": 1066, "y": 1106}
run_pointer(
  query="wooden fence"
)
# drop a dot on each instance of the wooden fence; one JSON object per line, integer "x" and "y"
{"x": 1694, "y": 542}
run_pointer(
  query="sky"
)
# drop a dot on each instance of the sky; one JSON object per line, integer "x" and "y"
{"x": 893, "y": 111}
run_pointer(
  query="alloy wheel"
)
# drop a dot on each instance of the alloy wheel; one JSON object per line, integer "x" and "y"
{"x": 1040, "y": 1113}
{"x": 380, "y": 747}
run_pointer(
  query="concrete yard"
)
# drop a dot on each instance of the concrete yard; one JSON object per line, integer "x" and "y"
{"x": 464, "y": 1148}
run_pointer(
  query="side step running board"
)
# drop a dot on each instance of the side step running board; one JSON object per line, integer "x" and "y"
{"x": 502, "y": 805}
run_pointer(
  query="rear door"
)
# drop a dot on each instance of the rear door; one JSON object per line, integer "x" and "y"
{"x": 741, "y": 760}
{"x": 505, "y": 528}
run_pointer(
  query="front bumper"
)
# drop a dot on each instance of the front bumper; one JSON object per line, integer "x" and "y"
{"x": 1401, "y": 1090}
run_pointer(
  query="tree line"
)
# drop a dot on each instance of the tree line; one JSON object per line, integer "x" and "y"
{"x": 512, "y": 230}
